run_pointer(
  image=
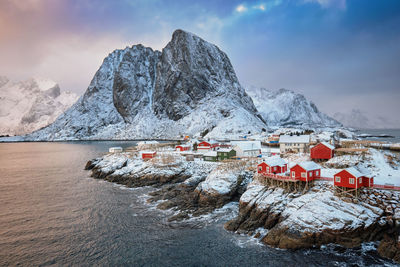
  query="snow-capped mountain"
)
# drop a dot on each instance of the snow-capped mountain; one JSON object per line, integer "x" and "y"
{"x": 357, "y": 118}
{"x": 286, "y": 108}
{"x": 188, "y": 88}
{"x": 29, "y": 105}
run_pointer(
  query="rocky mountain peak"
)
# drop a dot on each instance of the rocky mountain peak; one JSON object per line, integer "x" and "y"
{"x": 190, "y": 71}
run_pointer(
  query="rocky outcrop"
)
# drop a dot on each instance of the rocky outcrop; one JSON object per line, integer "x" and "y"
{"x": 318, "y": 217}
{"x": 138, "y": 93}
{"x": 194, "y": 188}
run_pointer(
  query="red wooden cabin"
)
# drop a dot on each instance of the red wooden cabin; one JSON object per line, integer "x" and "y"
{"x": 182, "y": 148}
{"x": 306, "y": 171}
{"x": 148, "y": 154}
{"x": 322, "y": 151}
{"x": 351, "y": 178}
{"x": 205, "y": 146}
{"x": 272, "y": 165}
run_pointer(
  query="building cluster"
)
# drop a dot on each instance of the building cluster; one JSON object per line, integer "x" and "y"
{"x": 272, "y": 165}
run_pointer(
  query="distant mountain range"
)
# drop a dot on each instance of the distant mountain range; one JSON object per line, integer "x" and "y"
{"x": 360, "y": 120}
{"x": 29, "y": 105}
{"x": 188, "y": 88}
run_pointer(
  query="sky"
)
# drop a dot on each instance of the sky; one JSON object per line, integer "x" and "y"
{"x": 341, "y": 54}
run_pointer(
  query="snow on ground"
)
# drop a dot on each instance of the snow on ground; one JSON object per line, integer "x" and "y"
{"x": 381, "y": 169}
{"x": 220, "y": 181}
{"x": 320, "y": 210}
{"x": 344, "y": 161}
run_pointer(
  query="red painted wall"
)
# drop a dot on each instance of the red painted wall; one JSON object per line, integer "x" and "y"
{"x": 148, "y": 155}
{"x": 310, "y": 175}
{"x": 262, "y": 168}
{"x": 368, "y": 182}
{"x": 206, "y": 145}
{"x": 345, "y": 180}
{"x": 182, "y": 148}
{"x": 321, "y": 151}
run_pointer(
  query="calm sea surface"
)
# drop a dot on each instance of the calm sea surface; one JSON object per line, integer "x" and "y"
{"x": 52, "y": 213}
{"x": 392, "y": 132}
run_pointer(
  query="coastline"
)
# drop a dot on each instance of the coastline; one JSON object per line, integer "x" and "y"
{"x": 180, "y": 187}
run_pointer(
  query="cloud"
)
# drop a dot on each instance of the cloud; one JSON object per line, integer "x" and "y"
{"x": 260, "y": 7}
{"x": 241, "y": 8}
{"x": 340, "y": 4}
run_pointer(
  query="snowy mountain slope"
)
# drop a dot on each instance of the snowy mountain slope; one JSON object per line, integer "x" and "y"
{"x": 30, "y": 105}
{"x": 188, "y": 88}
{"x": 286, "y": 108}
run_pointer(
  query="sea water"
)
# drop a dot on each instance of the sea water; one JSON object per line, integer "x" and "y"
{"x": 53, "y": 213}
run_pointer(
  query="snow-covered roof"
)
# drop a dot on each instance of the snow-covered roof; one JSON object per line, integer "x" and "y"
{"x": 328, "y": 145}
{"x": 186, "y": 145}
{"x": 294, "y": 139}
{"x": 309, "y": 165}
{"x": 210, "y": 154}
{"x": 147, "y": 152}
{"x": 247, "y": 145}
{"x": 275, "y": 161}
{"x": 353, "y": 171}
{"x": 224, "y": 150}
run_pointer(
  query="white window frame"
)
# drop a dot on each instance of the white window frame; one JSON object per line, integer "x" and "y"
{"x": 310, "y": 174}
{"x": 351, "y": 180}
{"x": 259, "y": 168}
{"x": 337, "y": 179}
{"x": 304, "y": 175}
{"x": 360, "y": 180}
{"x": 293, "y": 174}
{"x": 317, "y": 173}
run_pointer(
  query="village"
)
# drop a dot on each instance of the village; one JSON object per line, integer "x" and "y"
{"x": 291, "y": 160}
{"x": 294, "y": 189}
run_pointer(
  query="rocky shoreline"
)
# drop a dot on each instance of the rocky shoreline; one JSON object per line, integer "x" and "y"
{"x": 282, "y": 219}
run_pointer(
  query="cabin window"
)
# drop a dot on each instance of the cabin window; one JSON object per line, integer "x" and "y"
{"x": 274, "y": 168}
{"x": 310, "y": 174}
{"x": 303, "y": 174}
{"x": 351, "y": 181}
{"x": 260, "y": 168}
{"x": 360, "y": 180}
{"x": 293, "y": 174}
{"x": 337, "y": 179}
{"x": 317, "y": 173}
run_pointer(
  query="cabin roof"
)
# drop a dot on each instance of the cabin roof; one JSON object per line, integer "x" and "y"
{"x": 247, "y": 145}
{"x": 309, "y": 165}
{"x": 225, "y": 150}
{"x": 353, "y": 171}
{"x": 328, "y": 145}
{"x": 294, "y": 139}
{"x": 275, "y": 161}
{"x": 147, "y": 152}
{"x": 210, "y": 154}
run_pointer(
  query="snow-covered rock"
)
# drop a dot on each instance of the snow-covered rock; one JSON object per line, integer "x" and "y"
{"x": 29, "y": 105}
{"x": 286, "y": 108}
{"x": 190, "y": 88}
{"x": 303, "y": 220}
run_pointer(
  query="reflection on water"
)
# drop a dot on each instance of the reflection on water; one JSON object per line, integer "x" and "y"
{"x": 52, "y": 213}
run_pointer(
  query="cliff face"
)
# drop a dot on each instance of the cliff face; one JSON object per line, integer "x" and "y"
{"x": 188, "y": 88}
{"x": 29, "y": 105}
